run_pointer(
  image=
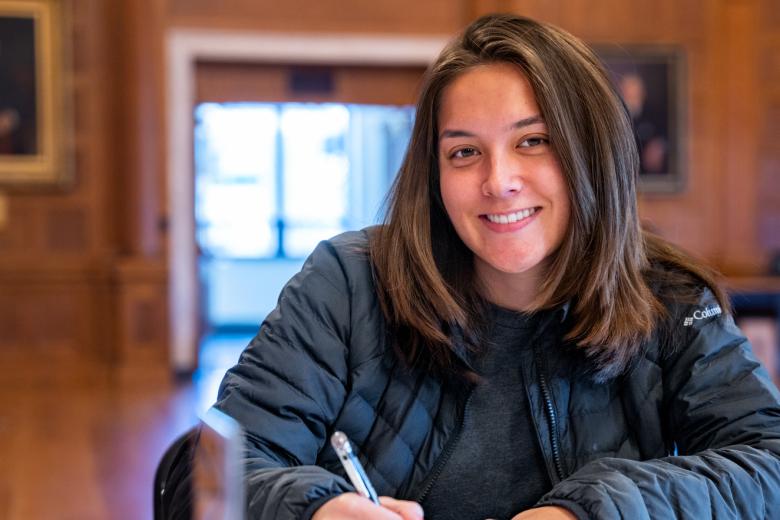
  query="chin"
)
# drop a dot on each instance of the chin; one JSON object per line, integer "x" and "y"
{"x": 512, "y": 266}
{"x": 515, "y": 261}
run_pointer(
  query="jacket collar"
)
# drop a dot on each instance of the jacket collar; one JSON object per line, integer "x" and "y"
{"x": 459, "y": 347}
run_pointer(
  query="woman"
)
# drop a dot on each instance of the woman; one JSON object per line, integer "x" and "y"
{"x": 510, "y": 344}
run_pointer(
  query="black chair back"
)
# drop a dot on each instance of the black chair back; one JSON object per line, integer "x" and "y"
{"x": 173, "y": 479}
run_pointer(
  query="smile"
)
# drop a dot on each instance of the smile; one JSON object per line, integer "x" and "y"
{"x": 509, "y": 218}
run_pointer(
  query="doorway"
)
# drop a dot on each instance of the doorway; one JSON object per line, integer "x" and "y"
{"x": 284, "y": 156}
{"x": 271, "y": 181}
{"x": 383, "y": 69}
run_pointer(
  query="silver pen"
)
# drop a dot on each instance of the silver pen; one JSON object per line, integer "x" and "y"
{"x": 354, "y": 469}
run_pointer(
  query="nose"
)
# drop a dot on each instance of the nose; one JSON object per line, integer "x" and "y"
{"x": 503, "y": 177}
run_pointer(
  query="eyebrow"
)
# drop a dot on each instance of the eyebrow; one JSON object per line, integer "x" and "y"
{"x": 528, "y": 121}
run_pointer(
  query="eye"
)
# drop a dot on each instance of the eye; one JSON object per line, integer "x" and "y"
{"x": 534, "y": 141}
{"x": 463, "y": 153}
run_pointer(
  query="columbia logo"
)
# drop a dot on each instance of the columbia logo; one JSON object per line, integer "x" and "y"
{"x": 701, "y": 314}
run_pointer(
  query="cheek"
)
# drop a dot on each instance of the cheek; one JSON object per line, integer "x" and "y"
{"x": 449, "y": 193}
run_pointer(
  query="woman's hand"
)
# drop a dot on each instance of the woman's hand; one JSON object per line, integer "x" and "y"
{"x": 353, "y": 506}
{"x": 546, "y": 513}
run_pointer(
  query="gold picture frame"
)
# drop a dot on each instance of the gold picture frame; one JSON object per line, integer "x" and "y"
{"x": 651, "y": 81}
{"x": 33, "y": 129}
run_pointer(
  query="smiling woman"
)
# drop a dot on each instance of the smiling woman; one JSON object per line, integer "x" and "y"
{"x": 509, "y": 343}
{"x": 600, "y": 258}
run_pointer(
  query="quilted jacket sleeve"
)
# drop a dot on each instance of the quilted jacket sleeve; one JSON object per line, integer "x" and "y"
{"x": 288, "y": 387}
{"x": 724, "y": 415}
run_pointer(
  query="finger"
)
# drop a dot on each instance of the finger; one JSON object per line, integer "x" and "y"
{"x": 407, "y": 509}
{"x": 351, "y": 506}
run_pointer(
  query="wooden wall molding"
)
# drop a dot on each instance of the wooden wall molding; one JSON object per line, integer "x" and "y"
{"x": 47, "y": 272}
{"x": 142, "y": 324}
{"x": 141, "y": 270}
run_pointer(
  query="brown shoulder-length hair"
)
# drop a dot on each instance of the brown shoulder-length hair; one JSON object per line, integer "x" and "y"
{"x": 606, "y": 264}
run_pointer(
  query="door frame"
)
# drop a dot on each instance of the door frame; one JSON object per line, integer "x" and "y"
{"x": 184, "y": 47}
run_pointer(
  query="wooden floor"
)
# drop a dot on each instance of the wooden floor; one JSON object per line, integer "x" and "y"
{"x": 81, "y": 440}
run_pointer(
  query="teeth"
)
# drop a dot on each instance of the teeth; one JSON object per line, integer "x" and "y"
{"x": 512, "y": 217}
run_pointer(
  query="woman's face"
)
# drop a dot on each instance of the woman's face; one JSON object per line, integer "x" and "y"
{"x": 500, "y": 179}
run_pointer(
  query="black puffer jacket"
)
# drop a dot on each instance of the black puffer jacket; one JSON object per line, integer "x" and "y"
{"x": 695, "y": 434}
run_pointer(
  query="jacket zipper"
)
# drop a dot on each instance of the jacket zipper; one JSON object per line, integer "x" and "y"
{"x": 445, "y": 456}
{"x": 552, "y": 418}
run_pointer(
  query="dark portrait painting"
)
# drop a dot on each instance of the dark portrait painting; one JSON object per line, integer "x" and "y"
{"x": 34, "y": 139}
{"x": 650, "y": 82}
{"x": 18, "y": 110}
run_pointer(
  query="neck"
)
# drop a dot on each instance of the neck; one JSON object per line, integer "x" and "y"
{"x": 515, "y": 291}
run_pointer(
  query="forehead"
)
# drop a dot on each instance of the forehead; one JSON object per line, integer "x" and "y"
{"x": 496, "y": 90}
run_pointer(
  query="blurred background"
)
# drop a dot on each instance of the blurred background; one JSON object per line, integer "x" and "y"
{"x": 199, "y": 150}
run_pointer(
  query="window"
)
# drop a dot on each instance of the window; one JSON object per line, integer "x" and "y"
{"x": 273, "y": 179}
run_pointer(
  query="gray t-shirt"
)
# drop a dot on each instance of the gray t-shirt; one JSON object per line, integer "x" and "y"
{"x": 496, "y": 469}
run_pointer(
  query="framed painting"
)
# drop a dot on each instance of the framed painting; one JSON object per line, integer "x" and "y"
{"x": 650, "y": 79}
{"x": 32, "y": 108}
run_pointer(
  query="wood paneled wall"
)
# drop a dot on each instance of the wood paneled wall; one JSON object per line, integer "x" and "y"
{"x": 726, "y": 212}
{"x": 57, "y": 244}
{"x": 225, "y": 82}
{"x": 352, "y": 16}
{"x": 83, "y": 270}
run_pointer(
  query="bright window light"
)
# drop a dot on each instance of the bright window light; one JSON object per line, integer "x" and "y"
{"x": 274, "y": 179}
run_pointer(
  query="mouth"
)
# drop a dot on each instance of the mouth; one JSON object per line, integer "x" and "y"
{"x": 510, "y": 218}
